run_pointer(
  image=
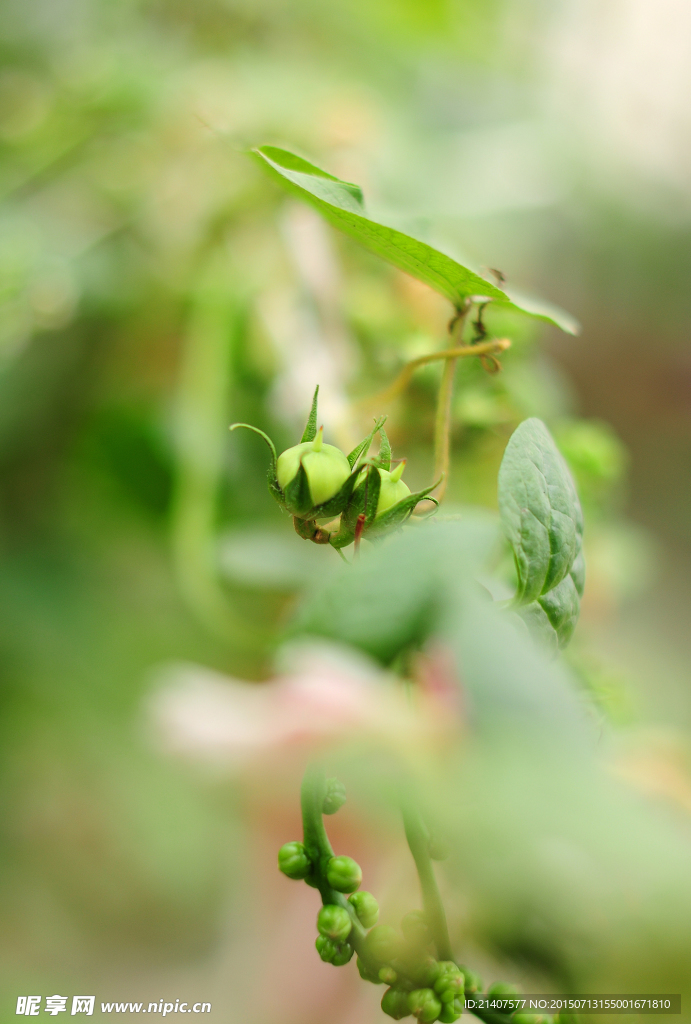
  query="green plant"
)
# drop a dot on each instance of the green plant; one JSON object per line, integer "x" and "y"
{"x": 543, "y": 524}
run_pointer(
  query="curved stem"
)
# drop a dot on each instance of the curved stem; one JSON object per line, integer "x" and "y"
{"x": 416, "y": 835}
{"x": 320, "y": 852}
{"x": 401, "y": 382}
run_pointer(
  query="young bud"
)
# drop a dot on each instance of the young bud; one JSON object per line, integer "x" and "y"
{"x": 449, "y": 983}
{"x": 335, "y": 796}
{"x": 502, "y": 988}
{"x": 473, "y": 981}
{"x": 366, "y": 908}
{"x": 293, "y": 861}
{"x": 451, "y": 1012}
{"x": 387, "y": 975}
{"x": 366, "y": 974}
{"x": 383, "y": 943}
{"x": 343, "y": 874}
{"x": 424, "y": 1005}
{"x": 336, "y": 953}
{"x": 326, "y": 467}
{"x": 334, "y": 922}
{"x": 393, "y": 489}
{"x": 395, "y": 1003}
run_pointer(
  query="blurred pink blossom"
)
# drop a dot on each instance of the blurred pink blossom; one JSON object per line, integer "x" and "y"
{"x": 323, "y": 693}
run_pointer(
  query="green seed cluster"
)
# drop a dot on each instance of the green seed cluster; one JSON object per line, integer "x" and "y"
{"x": 419, "y": 985}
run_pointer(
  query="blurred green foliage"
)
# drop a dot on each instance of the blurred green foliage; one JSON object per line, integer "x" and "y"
{"x": 154, "y": 287}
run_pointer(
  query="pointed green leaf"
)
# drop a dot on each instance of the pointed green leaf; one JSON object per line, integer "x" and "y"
{"x": 361, "y": 449}
{"x": 310, "y": 431}
{"x": 384, "y": 457}
{"x": 341, "y": 203}
{"x": 540, "y": 511}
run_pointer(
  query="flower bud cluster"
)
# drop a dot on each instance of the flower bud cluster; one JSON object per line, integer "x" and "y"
{"x": 314, "y": 480}
{"x": 419, "y": 985}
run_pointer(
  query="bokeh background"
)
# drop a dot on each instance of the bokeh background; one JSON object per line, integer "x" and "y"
{"x": 154, "y": 287}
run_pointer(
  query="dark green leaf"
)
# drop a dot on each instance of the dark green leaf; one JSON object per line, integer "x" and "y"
{"x": 341, "y": 203}
{"x": 540, "y": 511}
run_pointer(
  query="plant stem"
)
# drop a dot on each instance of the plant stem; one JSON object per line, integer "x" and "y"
{"x": 416, "y": 835}
{"x": 442, "y": 421}
{"x": 320, "y": 851}
{"x": 483, "y": 348}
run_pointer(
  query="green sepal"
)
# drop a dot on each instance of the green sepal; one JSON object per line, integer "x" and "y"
{"x": 383, "y": 459}
{"x": 364, "y": 499}
{"x": 274, "y": 485}
{"x": 310, "y": 431}
{"x": 298, "y": 499}
{"x": 364, "y": 446}
{"x": 398, "y": 513}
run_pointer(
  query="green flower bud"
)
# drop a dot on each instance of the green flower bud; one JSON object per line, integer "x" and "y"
{"x": 366, "y": 974}
{"x": 392, "y": 489}
{"x": 387, "y": 976}
{"x": 366, "y": 908}
{"x": 423, "y": 971}
{"x": 449, "y": 984}
{"x": 424, "y": 1005}
{"x": 343, "y": 874}
{"x": 336, "y": 953}
{"x": 334, "y": 797}
{"x": 334, "y": 922}
{"x": 383, "y": 943}
{"x": 395, "y": 1003}
{"x": 293, "y": 861}
{"x": 450, "y": 1012}
{"x": 473, "y": 981}
{"x": 499, "y": 989}
{"x": 326, "y": 467}
{"x": 414, "y": 927}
